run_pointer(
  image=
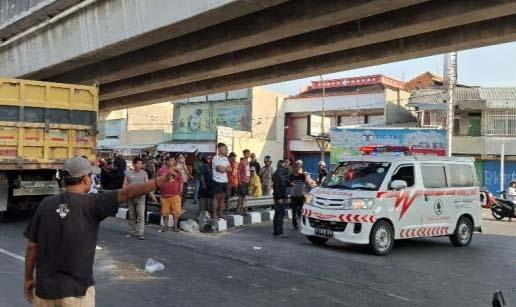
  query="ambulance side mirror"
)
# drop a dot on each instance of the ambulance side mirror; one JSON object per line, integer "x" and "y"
{"x": 398, "y": 185}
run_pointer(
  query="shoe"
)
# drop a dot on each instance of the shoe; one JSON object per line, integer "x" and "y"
{"x": 141, "y": 238}
{"x": 176, "y": 229}
{"x": 162, "y": 230}
{"x": 280, "y": 236}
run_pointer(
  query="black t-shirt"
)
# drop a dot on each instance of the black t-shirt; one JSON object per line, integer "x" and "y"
{"x": 256, "y": 166}
{"x": 205, "y": 172}
{"x": 66, "y": 246}
{"x": 322, "y": 174}
{"x": 279, "y": 183}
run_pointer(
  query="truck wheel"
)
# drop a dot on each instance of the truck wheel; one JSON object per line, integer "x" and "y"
{"x": 381, "y": 239}
{"x": 317, "y": 240}
{"x": 463, "y": 232}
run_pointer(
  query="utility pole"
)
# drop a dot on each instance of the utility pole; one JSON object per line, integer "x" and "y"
{"x": 450, "y": 77}
{"x": 322, "y": 146}
{"x": 502, "y": 169}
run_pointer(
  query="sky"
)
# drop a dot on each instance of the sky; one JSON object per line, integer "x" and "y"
{"x": 492, "y": 66}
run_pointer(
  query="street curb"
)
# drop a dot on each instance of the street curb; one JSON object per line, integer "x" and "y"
{"x": 231, "y": 221}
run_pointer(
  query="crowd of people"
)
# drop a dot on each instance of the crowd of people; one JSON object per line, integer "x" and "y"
{"x": 214, "y": 178}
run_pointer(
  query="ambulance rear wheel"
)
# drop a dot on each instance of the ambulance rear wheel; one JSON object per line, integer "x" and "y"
{"x": 317, "y": 240}
{"x": 381, "y": 239}
{"x": 463, "y": 232}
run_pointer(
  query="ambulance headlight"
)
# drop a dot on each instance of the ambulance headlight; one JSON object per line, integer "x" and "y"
{"x": 308, "y": 199}
{"x": 362, "y": 203}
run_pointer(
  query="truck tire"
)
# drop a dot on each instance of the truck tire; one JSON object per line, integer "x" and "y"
{"x": 317, "y": 240}
{"x": 463, "y": 232}
{"x": 381, "y": 239}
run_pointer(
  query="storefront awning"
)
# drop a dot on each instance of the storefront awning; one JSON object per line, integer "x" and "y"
{"x": 187, "y": 147}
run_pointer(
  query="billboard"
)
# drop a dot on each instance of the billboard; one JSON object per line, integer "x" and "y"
{"x": 225, "y": 135}
{"x": 233, "y": 115}
{"x": 193, "y": 118}
{"x": 314, "y": 125}
{"x": 347, "y": 141}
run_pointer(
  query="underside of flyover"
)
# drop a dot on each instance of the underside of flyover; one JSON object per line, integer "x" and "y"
{"x": 282, "y": 40}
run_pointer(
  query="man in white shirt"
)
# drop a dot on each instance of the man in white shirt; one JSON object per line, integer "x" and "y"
{"x": 221, "y": 167}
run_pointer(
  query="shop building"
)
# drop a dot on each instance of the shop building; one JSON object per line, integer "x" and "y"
{"x": 131, "y": 130}
{"x": 375, "y": 100}
{"x": 250, "y": 118}
{"x": 484, "y": 119}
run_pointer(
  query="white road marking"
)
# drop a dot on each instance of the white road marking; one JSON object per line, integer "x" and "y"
{"x": 15, "y": 256}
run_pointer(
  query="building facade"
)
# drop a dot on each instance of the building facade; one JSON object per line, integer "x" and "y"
{"x": 365, "y": 100}
{"x": 254, "y": 115}
{"x": 135, "y": 128}
{"x": 484, "y": 119}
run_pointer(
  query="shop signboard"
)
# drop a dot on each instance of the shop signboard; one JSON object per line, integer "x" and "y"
{"x": 205, "y": 147}
{"x": 348, "y": 141}
{"x": 314, "y": 125}
{"x": 225, "y": 135}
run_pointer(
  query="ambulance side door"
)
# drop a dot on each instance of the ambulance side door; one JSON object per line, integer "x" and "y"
{"x": 438, "y": 203}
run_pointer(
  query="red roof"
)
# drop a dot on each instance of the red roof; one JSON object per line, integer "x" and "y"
{"x": 354, "y": 81}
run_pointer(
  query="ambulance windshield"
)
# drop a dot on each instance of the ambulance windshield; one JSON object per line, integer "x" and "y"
{"x": 357, "y": 175}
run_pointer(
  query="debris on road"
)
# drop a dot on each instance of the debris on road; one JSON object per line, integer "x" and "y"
{"x": 152, "y": 266}
{"x": 189, "y": 226}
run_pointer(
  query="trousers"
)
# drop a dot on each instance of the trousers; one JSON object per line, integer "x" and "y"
{"x": 279, "y": 215}
{"x": 136, "y": 216}
{"x": 296, "y": 203}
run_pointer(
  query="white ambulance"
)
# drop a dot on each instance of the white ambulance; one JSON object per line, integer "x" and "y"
{"x": 378, "y": 199}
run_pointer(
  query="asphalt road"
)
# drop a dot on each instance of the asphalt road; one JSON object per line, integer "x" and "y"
{"x": 247, "y": 267}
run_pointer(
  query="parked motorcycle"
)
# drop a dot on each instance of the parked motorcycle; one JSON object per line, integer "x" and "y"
{"x": 486, "y": 199}
{"x": 502, "y": 208}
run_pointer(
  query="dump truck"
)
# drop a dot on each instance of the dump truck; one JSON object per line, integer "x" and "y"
{"x": 41, "y": 125}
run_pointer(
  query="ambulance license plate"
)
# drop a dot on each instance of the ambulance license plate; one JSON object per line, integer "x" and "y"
{"x": 324, "y": 232}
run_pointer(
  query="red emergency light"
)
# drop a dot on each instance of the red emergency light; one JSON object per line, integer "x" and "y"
{"x": 368, "y": 150}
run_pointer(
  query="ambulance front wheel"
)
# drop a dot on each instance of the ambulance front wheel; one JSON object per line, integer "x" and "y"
{"x": 317, "y": 240}
{"x": 381, "y": 239}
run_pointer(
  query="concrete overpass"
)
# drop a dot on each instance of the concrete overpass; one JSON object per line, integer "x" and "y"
{"x": 157, "y": 50}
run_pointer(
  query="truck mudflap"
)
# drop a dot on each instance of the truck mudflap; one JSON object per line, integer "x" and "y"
{"x": 4, "y": 193}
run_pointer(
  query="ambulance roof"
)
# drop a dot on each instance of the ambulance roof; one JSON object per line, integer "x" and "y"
{"x": 391, "y": 159}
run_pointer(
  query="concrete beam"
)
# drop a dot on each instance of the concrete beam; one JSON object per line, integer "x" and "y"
{"x": 413, "y": 20}
{"x": 16, "y": 16}
{"x": 111, "y": 27}
{"x": 473, "y": 35}
{"x": 284, "y": 20}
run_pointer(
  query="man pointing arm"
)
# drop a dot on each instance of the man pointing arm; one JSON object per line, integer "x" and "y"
{"x": 65, "y": 227}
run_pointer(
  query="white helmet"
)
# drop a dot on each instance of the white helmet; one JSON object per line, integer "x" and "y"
{"x": 322, "y": 163}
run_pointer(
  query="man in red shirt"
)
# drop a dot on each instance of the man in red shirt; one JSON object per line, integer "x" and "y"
{"x": 244, "y": 175}
{"x": 171, "y": 194}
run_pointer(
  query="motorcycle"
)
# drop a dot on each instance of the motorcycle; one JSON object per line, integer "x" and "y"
{"x": 486, "y": 199}
{"x": 502, "y": 208}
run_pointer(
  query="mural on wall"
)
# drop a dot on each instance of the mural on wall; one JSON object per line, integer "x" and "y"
{"x": 194, "y": 118}
{"x": 492, "y": 175}
{"x": 233, "y": 115}
{"x": 347, "y": 141}
{"x": 199, "y": 121}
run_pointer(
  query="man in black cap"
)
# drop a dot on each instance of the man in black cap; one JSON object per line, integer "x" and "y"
{"x": 63, "y": 233}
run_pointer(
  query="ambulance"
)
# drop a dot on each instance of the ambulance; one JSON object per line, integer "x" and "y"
{"x": 376, "y": 199}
